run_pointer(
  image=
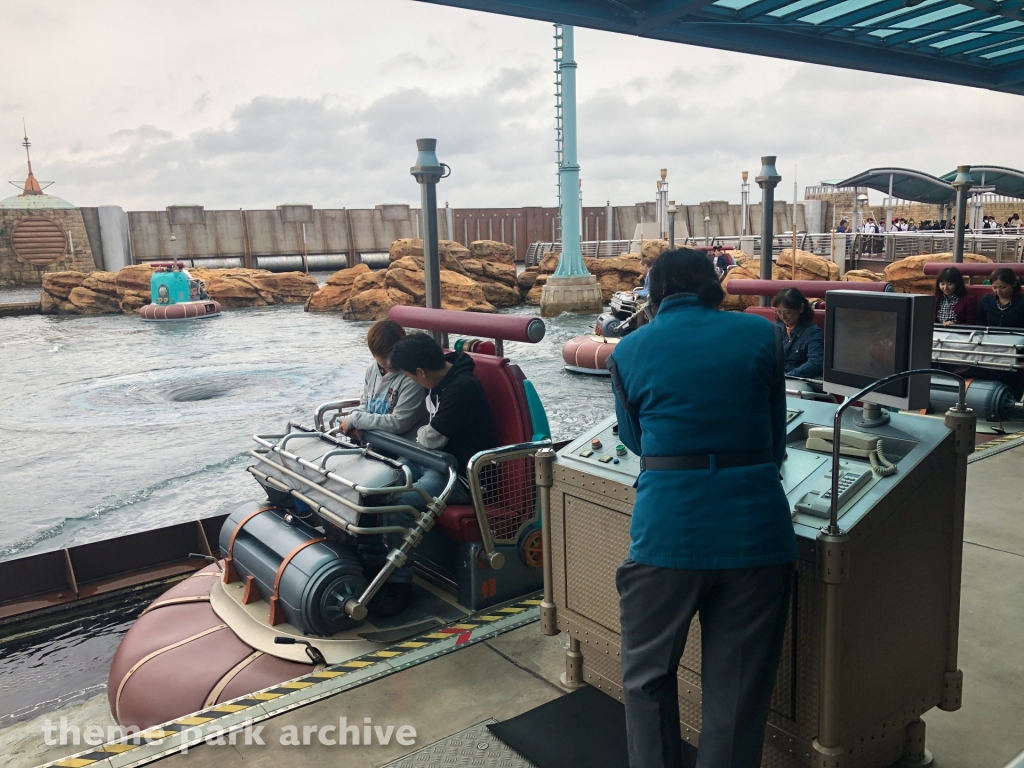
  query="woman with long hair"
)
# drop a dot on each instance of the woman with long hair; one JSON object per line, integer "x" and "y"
{"x": 805, "y": 342}
{"x": 953, "y": 304}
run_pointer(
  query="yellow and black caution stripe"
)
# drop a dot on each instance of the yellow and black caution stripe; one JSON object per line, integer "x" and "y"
{"x": 996, "y": 445}
{"x": 251, "y": 709}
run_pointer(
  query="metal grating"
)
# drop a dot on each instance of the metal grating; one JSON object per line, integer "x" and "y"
{"x": 510, "y": 496}
{"x": 475, "y": 747}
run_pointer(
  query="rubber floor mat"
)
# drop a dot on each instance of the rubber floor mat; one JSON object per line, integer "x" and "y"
{"x": 582, "y": 728}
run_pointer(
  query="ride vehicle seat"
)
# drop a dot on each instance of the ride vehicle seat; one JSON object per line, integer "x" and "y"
{"x": 510, "y": 416}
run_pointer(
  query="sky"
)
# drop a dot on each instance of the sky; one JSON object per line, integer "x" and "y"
{"x": 233, "y": 104}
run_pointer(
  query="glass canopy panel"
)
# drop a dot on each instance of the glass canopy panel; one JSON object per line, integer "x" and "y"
{"x": 791, "y": 8}
{"x": 837, "y": 10}
{"x": 734, "y": 5}
{"x": 1002, "y": 52}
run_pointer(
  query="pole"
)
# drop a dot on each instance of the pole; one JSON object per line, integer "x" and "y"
{"x": 767, "y": 180}
{"x": 672, "y": 210}
{"x": 745, "y": 202}
{"x": 570, "y": 263}
{"x": 427, "y": 172}
{"x": 962, "y": 184}
{"x": 794, "y": 220}
{"x": 888, "y": 207}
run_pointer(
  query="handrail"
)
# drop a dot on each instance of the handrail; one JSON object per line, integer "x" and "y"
{"x": 404, "y": 448}
{"x": 476, "y": 463}
{"x": 523, "y": 328}
{"x": 318, "y": 417}
{"x": 812, "y": 289}
{"x": 973, "y": 269}
{"x": 961, "y": 406}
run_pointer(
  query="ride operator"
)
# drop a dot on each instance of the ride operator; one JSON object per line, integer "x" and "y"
{"x": 700, "y": 395}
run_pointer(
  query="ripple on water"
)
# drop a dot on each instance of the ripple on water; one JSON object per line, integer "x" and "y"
{"x": 130, "y": 426}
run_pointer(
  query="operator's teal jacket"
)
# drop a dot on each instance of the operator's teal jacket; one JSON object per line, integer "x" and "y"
{"x": 702, "y": 381}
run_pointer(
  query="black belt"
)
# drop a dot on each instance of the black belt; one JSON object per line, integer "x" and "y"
{"x": 707, "y": 460}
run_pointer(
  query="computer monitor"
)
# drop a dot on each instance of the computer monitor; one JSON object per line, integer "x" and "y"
{"x": 869, "y": 336}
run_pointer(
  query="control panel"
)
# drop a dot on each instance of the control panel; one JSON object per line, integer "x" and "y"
{"x": 872, "y": 461}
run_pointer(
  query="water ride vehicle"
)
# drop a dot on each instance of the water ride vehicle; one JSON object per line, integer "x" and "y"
{"x": 293, "y": 592}
{"x": 176, "y": 295}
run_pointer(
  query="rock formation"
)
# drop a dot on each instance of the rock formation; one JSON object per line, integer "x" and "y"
{"x": 652, "y": 249}
{"x": 907, "y": 275}
{"x": 94, "y": 293}
{"x": 863, "y": 276}
{"x": 481, "y": 278}
{"x": 808, "y": 266}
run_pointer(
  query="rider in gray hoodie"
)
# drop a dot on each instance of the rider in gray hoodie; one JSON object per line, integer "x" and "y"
{"x": 391, "y": 401}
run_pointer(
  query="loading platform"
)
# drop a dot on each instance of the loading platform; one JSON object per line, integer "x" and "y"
{"x": 496, "y": 664}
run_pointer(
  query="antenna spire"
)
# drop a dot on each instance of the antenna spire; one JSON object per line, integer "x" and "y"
{"x": 32, "y": 186}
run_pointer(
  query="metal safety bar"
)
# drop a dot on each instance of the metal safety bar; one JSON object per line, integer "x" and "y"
{"x": 333, "y": 405}
{"x": 475, "y": 470}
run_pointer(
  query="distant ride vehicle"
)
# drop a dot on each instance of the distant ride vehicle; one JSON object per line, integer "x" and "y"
{"x": 589, "y": 354}
{"x": 176, "y": 295}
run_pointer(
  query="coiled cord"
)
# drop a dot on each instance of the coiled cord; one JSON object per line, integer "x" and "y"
{"x": 880, "y": 465}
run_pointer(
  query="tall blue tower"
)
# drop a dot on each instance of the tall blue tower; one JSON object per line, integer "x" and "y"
{"x": 571, "y": 288}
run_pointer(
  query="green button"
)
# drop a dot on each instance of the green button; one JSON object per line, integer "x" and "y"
{"x": 620, "y": 449}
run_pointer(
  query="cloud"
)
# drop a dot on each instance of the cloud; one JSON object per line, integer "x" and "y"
{"x": 205, "y": 114}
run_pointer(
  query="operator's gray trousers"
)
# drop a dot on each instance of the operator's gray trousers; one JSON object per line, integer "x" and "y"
{"x": 742, "y": 618}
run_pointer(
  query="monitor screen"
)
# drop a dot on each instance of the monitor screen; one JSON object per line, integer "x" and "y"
{"x": 864, "y": 343}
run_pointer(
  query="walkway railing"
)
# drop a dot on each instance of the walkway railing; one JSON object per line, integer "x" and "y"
{"x": 853, "y": 247}
{"x": 893, "y": 246}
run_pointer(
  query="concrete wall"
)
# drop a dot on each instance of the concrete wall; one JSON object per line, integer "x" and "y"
{"x": 244, "y": 237}
{"x": 78, "y": 257}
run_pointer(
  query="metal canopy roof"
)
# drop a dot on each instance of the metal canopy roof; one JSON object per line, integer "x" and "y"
{"x": 978, "y": 43}
{"x": 1007, "y": 181}
{"x": 906, "y": 184}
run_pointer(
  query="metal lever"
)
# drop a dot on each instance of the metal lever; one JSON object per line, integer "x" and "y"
{"x": 311, "y": 650}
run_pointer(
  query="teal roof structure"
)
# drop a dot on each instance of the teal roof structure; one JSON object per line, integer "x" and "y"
{"x": 1007, "y": 181}
{"x": 978, "y": 43}
{"x": 34, "y": 202}
{"x": 910, "y": 185}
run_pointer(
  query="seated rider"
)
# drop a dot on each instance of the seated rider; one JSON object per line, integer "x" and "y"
{"x": 645, "y": 273}
{"x": 804, "y": 341}
{"x": 390, "y": 401}
{"x": 459, "y": 418}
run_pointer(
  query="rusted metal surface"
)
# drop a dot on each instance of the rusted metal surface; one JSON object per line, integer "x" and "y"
{"x": 64, "y": 576}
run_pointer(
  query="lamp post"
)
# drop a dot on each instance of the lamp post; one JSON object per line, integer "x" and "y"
{"x": 427, "y": 172}
{"x": 707, "y": 223}
{"x": 745, "y": 202}
{"x": 962, "y": 184}
{"x": 768, "y": 179}
{"x": 672, "y": 211}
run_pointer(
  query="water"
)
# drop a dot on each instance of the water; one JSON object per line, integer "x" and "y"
{"x": 111, "y": 425}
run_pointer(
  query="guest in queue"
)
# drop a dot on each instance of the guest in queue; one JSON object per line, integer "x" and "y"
{"x": 1004, "y": 307}
{"x": 953, "y": 304}
{"x": 804, "y": 343}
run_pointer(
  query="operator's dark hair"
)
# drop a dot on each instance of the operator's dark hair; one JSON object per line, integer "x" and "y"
{"x": 793, "y": 299}
{"x": 417, "y": 350}
{"x": 684, "y": 270}
{"x": 1005, "y": 275}
{"x": 950, "y": 275}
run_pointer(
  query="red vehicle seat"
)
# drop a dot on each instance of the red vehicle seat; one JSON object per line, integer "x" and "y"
{"x": 769, "y": 314}
{"x": 510, "y": 415}
{"x": 979, "y": 291}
